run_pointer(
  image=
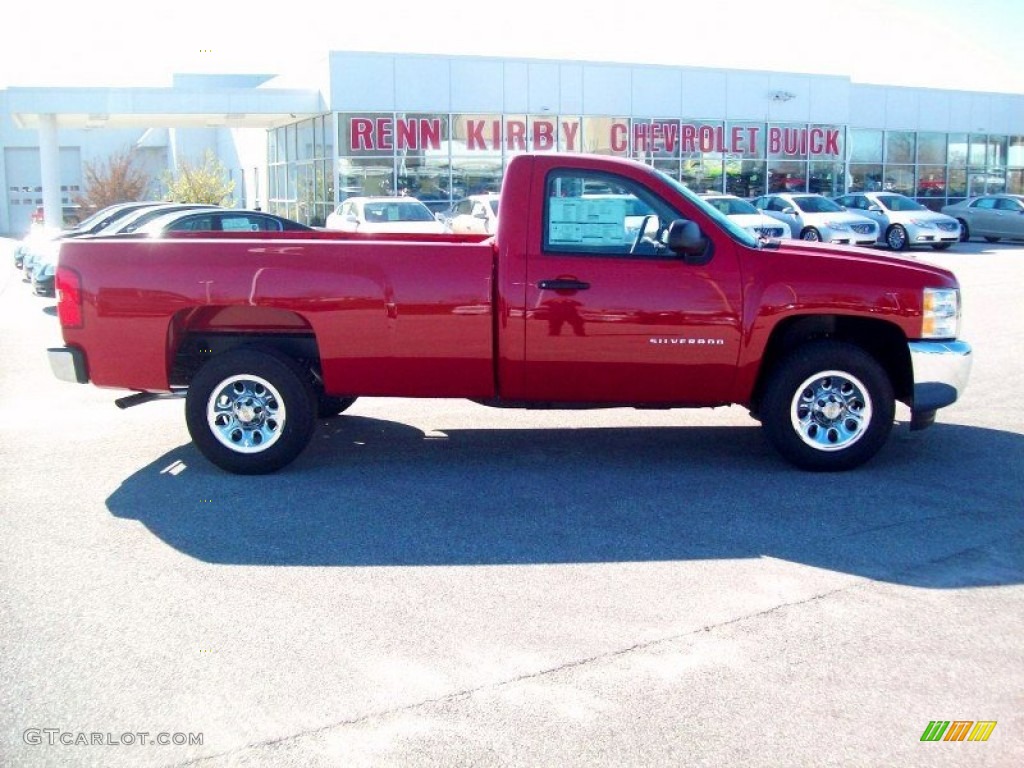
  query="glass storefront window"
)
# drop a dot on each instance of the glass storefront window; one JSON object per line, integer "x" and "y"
{"x": 931, "y": 148}
{"x": 865, "y": 146}
{"x": 931, "y": 181}
{"x": 996, "y": 155}
{"x": 957, "y": 183}
{"x": 977, "y": 151}
{"x": 358, "y": 176}
{"x": 305, "y": 140}
{"x": 826, "y": 179}
{"x": 746, "y": 179}
{"x": 899, "y": 147}
{"x": 787, "y": 140}
{"x": 606, "y": 135}
{"x": 1015, "y": 152}
{"x": 787, "y": 176}
{"x": 957, "y": 156}
{"x": 865, "y": 177}
{"x": 475, "y": 175}
{"x": 1015, "y": 182}
{"x": 899, "y": 178}
{"x": 704, "y": 173}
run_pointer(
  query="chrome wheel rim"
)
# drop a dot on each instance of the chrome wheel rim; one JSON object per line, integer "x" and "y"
{"x": 831, "y": 410}
{"x": 897, "y": 237}
{"x": 811, "y": 234}
{"x": 246, "y": 414}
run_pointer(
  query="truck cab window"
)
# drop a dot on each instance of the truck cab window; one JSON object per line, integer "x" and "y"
{"x": 601, "y": 214}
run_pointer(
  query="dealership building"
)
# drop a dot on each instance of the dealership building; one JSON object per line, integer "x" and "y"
{"x": 441, "y": 127}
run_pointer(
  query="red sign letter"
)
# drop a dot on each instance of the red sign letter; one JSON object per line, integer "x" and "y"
{"x": 543, "y": 135}
{"x": 360, "y": 133}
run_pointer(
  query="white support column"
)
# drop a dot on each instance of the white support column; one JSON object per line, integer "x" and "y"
{"x": 49, "y": 163}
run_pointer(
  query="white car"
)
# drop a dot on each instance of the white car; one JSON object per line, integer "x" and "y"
{"x": 759, "y": 224}
{"x": 815, "y": 217}
{"x": 476, "y": 214}
{"x": 384, "y": 214}
{"x": 903, "y": 222}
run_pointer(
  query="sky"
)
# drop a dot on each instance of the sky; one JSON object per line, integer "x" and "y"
{"x": 973, "y": 45}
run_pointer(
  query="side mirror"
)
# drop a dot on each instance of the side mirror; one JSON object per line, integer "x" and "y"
{"x": 875, "y": 208}
{"x": 684, "y": 237}
{"x": 789, "y": 211}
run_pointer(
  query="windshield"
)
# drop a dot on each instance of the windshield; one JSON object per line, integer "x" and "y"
{"x": 735, "y": 231}
{"x": 816, "y": 204}
{"x": 900, "y": 203}
{"x": 732, "y": 206}
{"x": 383, "y": 213}
{"x": 494, "y": 207}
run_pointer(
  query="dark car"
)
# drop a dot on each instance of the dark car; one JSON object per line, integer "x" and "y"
{"x": 221, "y": 220}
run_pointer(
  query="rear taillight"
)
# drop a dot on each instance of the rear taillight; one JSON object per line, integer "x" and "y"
{"x": 69, "y": 297}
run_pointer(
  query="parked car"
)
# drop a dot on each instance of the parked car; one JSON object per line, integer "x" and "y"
{"x": 903, "y": 222}
{"x": 384, "y": 214}
{"x": 990, "y": 216}
{"x": 221, "y": 220}
{"x": 36, "y": 243}
{"x": 815, "y": 217}
{"x": 476, "y": 214}
{"x": 138, "y": 219}
{"x": 41, "y": 271}
{"x": 747, "y": 216}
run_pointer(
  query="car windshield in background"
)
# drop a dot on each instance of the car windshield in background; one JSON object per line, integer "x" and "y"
{"x": 812, "y": 204}
{"x": 380, "y": 213}
{"x": 494, "y": 207}
{"x": 732, "y": 207}
{"x": 900, "y": 203}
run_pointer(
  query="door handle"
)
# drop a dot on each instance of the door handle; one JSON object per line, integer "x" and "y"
{"x": 562, "y": 284}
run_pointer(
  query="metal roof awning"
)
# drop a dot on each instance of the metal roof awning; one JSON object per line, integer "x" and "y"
{"x": 84, "y": 108}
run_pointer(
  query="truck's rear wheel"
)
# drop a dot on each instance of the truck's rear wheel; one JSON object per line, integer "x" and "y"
{"x": 250, "y": 410}
{"x": 828, "y": 406}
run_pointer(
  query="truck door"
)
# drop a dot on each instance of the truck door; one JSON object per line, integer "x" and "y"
{"x": 612, "y": 315}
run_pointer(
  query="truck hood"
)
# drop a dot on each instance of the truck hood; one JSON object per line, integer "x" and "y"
{"x": 867, "y": 256}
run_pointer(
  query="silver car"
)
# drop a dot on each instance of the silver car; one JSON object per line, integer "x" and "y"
{"x": 815, "y": 217}
{"x": 990, "y": 216}
{"x": 759, "y": 224}
{"x": 903, "y": 222}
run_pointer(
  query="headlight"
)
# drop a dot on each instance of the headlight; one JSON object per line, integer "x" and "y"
{"x": 837, "y": 225}
{"x": 940, "y": 313}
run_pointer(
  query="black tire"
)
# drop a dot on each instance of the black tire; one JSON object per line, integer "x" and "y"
{"x": 965, "y": 231}
{"x": 828, "y": 406}
{"x": 942, "y": 246}
{"x": 896, "y": 238}
{"x": 991, "y": 239}
{"x": 811, "y": 234}
{"x": 272, "y": 392}
{"x": 329, "y": 406}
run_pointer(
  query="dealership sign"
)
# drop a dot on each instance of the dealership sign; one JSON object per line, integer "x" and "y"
{"x": 386, "y": 133}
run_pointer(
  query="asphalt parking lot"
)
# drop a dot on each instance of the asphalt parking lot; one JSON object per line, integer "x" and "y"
{"x": 437, "y": 583}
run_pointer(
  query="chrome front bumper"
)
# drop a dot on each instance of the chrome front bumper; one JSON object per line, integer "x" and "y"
{"x": 941, "y": 370}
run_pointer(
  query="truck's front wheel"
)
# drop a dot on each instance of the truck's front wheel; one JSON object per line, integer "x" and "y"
{"x": 250, "y": 410}
{"x": 828, "y": 406}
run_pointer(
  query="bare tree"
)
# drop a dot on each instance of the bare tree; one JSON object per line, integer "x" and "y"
{"x": 118, "y": 179}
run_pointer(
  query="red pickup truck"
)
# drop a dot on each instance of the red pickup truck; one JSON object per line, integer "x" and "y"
{"x": 606, "y": 284}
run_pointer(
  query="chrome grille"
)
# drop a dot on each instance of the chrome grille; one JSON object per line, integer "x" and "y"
{"x": 947, "y": 226}
{"x": 863, "y": 229}
{"x": 768, "y": 231}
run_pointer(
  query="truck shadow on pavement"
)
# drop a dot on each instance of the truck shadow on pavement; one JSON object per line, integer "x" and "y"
{"x": 937, "y": 510}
